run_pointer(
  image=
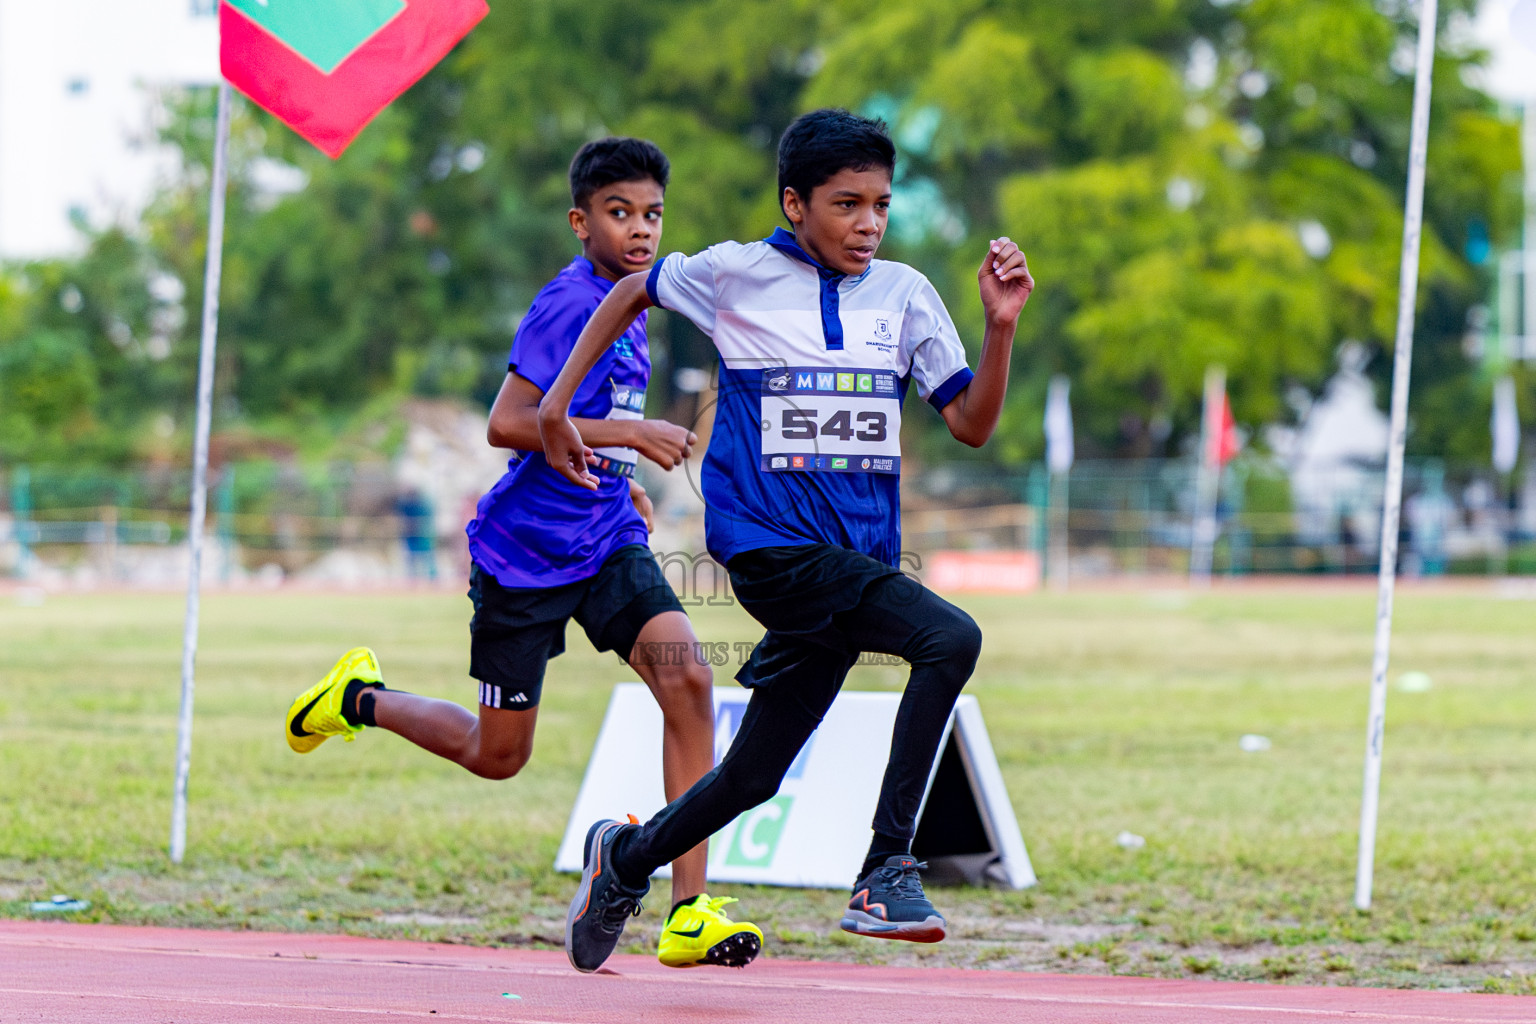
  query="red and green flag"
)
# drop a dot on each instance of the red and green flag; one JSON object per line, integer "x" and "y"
{"x": 326, "y": 68}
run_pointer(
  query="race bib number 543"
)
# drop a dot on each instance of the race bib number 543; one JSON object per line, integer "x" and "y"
{"x": 838, "y": 420}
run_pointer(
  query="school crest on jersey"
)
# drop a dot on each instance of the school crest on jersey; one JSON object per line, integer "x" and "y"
{"x": 882, "y": 329}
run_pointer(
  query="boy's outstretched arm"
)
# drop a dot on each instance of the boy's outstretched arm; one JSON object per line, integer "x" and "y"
{"x": 1005, "y": 285}
{"x": 514, "y": 423}
{"x": 563, "y": 446}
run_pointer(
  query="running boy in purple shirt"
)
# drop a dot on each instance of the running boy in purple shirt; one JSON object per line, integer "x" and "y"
{"x": 546, "y": 550}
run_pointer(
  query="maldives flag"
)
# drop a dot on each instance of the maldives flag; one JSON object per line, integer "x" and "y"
{"x": 326, "y": 68}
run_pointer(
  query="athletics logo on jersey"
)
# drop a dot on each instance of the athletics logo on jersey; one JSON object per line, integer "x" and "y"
{"x": 882, "y": 329}
{"x": 779, "y": 382}
{"x": 780, "y": 462}
{"x": 864, "y": 464}
{"x": 797, "y": 462}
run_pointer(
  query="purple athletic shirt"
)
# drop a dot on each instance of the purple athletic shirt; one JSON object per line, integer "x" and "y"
{"x": 535, "y": 528}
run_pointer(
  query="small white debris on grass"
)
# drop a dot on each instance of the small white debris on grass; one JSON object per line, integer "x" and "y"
{"x": 1253, "y": 743}
{"x": 60, "y": 904}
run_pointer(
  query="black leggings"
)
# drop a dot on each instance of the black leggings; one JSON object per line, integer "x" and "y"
{"x": 895, "y": 616}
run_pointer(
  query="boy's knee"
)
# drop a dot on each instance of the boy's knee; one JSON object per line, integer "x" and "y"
{"x": 965, "y": 638}
{"x": 956, "y": 643}
{"x": 500, "y": 764}
{"x": 688, "y": 686}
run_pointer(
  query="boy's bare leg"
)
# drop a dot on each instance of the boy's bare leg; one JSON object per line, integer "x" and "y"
{"x": 683, "y": 687}
{"x": 494, "y": 745}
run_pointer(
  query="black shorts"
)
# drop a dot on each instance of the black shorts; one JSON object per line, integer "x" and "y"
{"x": 514, "y": 633}
{"x": 798, "y": 592}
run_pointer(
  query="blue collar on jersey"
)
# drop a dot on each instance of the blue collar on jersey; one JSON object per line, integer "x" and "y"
{"x": 831, "y": 323}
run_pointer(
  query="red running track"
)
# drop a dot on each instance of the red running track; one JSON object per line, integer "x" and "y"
{"x": 67, "y": 973}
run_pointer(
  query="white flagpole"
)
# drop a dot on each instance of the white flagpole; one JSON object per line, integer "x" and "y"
{"x": 1059, "y": 455}
{"x": 1408, "y": 282}
{"x": 199, "y": 512}
{"x": 1207, "y": 478}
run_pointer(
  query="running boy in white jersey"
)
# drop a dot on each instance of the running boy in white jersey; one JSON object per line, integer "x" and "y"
{"x": 819, "y": 343}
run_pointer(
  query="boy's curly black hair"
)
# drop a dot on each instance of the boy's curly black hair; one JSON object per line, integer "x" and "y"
{"x": 606, "y": 161}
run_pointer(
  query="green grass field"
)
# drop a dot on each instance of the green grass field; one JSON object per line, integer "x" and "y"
{"x": 1110, "y": 711}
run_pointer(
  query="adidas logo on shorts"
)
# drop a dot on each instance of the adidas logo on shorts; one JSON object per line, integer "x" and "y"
{"x": 491, "y": 696}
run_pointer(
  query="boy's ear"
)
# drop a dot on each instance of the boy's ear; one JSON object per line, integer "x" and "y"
{"x": 578, "y": 218}
{"x": 793, "y": 208}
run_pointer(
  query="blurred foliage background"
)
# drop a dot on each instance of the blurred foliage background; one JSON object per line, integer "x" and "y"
{"x": 1195, "y": 181}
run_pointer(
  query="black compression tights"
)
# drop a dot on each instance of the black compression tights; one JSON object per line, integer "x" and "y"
{"x": 896, "y": 616}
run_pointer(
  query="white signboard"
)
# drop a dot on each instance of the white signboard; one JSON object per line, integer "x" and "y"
{"x": 816, "y": 830}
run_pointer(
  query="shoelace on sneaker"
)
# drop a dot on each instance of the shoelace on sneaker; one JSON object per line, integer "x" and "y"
{"x": 716, "y": 904}
{"x": 904, "y": 881}
{"x": 622, "y": 905}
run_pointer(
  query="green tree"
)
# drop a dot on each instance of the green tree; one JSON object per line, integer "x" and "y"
{"x": 1194, "y": 182}
{"x": 50, "y": 386}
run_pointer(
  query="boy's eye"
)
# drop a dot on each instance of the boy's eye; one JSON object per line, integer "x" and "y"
{"x": 620, "y": 213}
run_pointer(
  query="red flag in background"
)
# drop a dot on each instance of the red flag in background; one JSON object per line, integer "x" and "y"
{"x": 1225, "y": 443}
{"x": 1218, "y": 430}
{"x": 326, "y": 68}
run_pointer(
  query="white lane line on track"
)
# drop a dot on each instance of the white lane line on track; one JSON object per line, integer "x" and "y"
{"x": 1359, "y": 1015}
{"x": 380, "y": 961}
{"x": 306, "y": 1007}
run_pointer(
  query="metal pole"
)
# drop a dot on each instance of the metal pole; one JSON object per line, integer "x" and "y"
{"x": 200, "y": 470}
{"x": 1060, "y": 453}
{"x": 1407, "y": 296}
{"x": 1207, "y": 478}
{"x": 1526, "y": 347}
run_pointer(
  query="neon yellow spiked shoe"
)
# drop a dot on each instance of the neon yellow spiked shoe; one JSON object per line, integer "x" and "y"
{"x": 315, "y": 715}
{"x": 699, "y": 934}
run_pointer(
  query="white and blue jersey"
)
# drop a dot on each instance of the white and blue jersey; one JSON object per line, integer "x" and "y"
{"x": 814, "y": 366}
{"x": 535, "y": 528}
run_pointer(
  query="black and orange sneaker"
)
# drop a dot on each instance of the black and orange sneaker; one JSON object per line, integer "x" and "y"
{"x": 889, "y": 903}
{"x": 603, "y": 905}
